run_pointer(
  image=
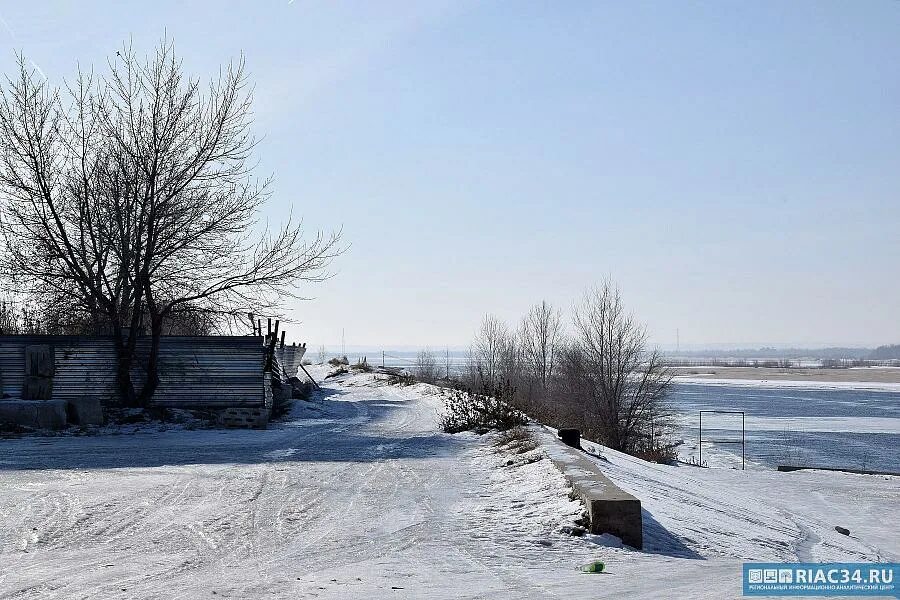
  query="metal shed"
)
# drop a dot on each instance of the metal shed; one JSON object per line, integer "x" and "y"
{"x": 195, "y": 371}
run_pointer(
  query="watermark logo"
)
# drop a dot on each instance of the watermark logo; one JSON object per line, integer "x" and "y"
{"x": 821, "y": 579}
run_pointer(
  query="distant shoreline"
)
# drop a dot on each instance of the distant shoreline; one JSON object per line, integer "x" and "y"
{"x": 863, "y": 375}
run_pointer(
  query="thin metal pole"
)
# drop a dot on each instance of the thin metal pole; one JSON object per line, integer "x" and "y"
{"x": 700, "y": 445}
{"x": 742, "y": 442}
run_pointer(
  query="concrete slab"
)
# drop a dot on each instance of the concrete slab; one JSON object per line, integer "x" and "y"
{"x": 38, "y": 414}
{"x": 610, "y": 509}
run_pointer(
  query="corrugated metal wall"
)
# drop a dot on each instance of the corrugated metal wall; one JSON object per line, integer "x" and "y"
{"x": 195, "y": 371}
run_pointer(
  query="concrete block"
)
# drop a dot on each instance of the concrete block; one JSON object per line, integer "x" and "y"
{"x": 610, "y": 509}
{"x": 244, "y": 418}
{"x": 85, "y": 411}
{"x": 37, "y": 414}
{"x": 281, "y": 393}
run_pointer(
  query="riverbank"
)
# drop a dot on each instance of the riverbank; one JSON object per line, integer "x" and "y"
{"x": 853, "y": 375}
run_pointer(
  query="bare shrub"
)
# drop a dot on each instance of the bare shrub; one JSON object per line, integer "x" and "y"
{"x": 492, "y": 408}
{"x": 665, "y": 453}
{"x": 339, "y": 369}
{"x": 401, "y": 379}
{"x": 517, "y": 440}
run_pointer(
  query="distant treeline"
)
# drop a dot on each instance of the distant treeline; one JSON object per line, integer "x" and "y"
{"x": 887, "y": 352}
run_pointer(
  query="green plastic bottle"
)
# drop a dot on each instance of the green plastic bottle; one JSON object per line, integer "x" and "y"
{"x": 594, "y": 567}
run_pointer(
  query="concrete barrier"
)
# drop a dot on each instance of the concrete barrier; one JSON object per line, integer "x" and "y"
{"x": 610, "y": 509}
{"x": 37, "y": 414}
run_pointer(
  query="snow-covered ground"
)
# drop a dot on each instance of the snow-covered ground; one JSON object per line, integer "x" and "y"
{"x": 358, "y": 495}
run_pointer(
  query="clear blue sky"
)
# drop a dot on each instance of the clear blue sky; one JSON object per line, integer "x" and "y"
{"x": 735, "y": 167}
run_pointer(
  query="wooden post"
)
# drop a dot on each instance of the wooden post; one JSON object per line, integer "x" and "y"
{"x": 270, "y": 325}
{"x": 310, "y": 377}
{"x": 282, "y": 339}
{"x": 259, "y": 326}
{"x": 271, "y": 339}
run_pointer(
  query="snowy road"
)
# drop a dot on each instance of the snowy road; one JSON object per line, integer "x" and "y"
{"x": 354, "y": 496}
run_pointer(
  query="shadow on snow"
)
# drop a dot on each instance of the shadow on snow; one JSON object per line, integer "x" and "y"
{"x": 321, "y": 430}
{"x": 659, "y": 540}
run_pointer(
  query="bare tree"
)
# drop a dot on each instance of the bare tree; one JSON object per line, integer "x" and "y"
{"x": 17, "y": 318}
{"x": 426, "y": 366}
{"x": 134, "y": 203}
{"x": 491, "y": 350}
{"x": 539, "y": 337}
{"x": 608, "y": 369}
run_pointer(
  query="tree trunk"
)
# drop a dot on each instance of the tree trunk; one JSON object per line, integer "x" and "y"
{"x": 125, "y": 359}
{"x": 156, "y": 323}
{"x": 126, "y": 350}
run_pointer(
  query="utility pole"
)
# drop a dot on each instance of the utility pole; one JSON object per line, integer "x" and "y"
{"x": 382, "y": 359}
{"x": 343, "y": 343}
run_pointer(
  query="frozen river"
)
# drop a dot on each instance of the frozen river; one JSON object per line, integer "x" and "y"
{"x": 843, "y": 428}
